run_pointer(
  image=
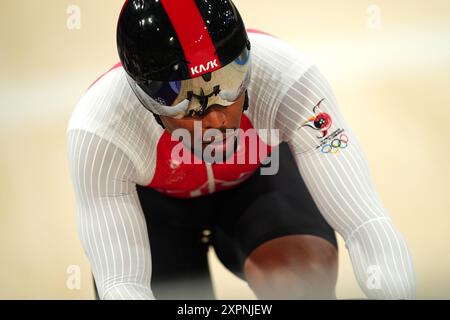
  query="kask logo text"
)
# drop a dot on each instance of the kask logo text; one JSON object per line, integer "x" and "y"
{"x": 202, "y": 68}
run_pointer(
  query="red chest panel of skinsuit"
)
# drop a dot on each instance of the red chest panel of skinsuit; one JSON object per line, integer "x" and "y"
{"x": 188, "y": 180}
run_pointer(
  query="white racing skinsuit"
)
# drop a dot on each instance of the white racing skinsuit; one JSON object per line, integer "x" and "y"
{"x": 112, "y": 140}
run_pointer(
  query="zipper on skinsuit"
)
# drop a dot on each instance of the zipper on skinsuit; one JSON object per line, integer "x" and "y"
{"x": 211, "y": 180}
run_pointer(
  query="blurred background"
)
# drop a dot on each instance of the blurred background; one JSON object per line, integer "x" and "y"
{"x": 388, "y": 62}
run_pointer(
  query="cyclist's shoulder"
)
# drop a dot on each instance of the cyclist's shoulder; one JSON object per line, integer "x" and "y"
{"x": 109, "y": 108}
{"x": 108, "y": 90}
{"x": 277, "y": 56}
{"x": 111, "y": 114}
{"x": 114, "y": 72}
{"x": 276, "y": 66}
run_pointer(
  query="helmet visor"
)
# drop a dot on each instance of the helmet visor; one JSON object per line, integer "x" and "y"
{"x": 178, "y": 99}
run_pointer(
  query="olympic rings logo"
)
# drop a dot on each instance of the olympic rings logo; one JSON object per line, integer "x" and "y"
{"x": 336, "y": 144}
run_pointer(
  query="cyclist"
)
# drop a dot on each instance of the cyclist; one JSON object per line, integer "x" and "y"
{"x": 154, "y": 148}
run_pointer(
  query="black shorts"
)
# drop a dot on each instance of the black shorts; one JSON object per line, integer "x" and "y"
{"x": 233, "y": 222}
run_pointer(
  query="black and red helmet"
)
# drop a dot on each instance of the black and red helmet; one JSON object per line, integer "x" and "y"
{"x": 184, "y": 54}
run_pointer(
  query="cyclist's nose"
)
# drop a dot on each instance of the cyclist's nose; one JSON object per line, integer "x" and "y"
{"x": 214, "y": 118}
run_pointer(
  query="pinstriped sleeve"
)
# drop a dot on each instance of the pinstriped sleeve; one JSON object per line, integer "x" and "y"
{"x": 110, "y": 220}
{"x": 332, "y": 163}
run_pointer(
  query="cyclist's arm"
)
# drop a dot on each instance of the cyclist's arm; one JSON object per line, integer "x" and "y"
{"x": 341, "y": 186}
{"x": 111, "y": 224}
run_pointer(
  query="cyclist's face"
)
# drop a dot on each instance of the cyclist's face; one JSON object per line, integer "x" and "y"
{"x": 216, "y": 117}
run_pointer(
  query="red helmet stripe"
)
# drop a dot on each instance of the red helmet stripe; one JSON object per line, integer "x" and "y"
{"x": 193, "y": 35}
{"x": 123, "y": 7}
